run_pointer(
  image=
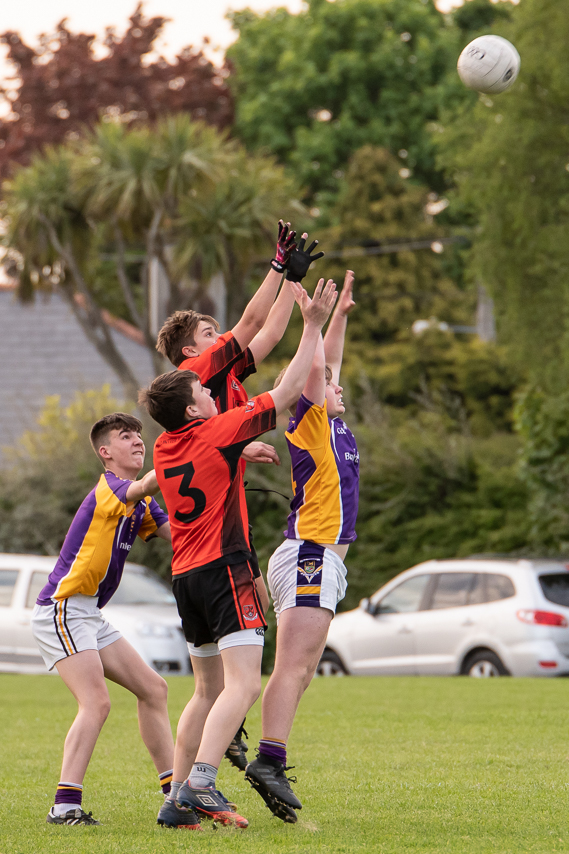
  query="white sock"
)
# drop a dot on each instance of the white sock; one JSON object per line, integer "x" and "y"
{"x": 202, "y": 775}
{"x": 174, "y": 789}
{"x": 61, "y": 809}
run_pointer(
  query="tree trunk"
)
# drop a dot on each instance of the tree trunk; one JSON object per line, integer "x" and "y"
{"x": 90, "y": 317}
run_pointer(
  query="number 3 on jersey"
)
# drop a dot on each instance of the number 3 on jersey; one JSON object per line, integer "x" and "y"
{"x": 186, "y": 472}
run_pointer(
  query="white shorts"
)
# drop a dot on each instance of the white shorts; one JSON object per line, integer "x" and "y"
{"x": 306, "y": 574}
{"x": 70, "y": 626}
{"x": 245, "y": 637}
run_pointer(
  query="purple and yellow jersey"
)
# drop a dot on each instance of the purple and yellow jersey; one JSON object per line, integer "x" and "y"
{"x": 325, "y": 476}
{"x": 97, "y": 544}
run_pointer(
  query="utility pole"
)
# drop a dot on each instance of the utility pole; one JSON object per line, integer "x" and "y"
{"x": 485, "y": 321}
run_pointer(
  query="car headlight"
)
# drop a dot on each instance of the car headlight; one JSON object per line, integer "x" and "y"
{"x": 155, "y": 630}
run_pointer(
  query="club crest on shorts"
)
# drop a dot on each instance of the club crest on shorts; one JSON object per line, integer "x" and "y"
{"x": 249, "y": 612}
{"x": 309, "y": 568}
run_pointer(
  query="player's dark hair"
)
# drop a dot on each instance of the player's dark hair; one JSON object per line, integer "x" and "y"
{"x": 101, "y": 429}
{"x": 178, "y": 332}
{"x": 292, "y": 407}
{"x": 168, "y": 396}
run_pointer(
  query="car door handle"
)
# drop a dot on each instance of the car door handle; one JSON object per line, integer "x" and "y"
{"x": 468, "y": 623}
{"x": 405, "y": 631}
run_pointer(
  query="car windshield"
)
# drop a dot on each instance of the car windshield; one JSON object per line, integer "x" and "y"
{"x": 556, "y": 588}
{"x": 142, "y": 588}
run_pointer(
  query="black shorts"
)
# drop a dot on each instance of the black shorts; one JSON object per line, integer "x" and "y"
{"x": 215, "y": 602}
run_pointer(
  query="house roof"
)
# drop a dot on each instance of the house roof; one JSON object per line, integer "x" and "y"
{"x": 44, "y": 351}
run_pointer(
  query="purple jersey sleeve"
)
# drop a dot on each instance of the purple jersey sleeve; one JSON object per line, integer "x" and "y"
{"x": 118, "y": 485}
{"x": 154, "y": 518}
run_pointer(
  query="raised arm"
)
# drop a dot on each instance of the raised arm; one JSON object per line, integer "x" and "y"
{"x": 315, "y": 312}
{"x": 298, "y": 265}
{"x": 258, "y": 308}
{"x": 336, "y": 332}
{"x": 277, "y": 322}
{"x": 147, "y": 485}
{"x": 315, "y": 388}
{"x": 164, "y": 532}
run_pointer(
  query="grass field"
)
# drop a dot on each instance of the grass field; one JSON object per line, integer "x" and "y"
{"x": 388, "y": 765}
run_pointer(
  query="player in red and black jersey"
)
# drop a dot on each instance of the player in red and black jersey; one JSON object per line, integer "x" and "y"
{"x": 198, "y": 469}
{"x": 192, "y": 341}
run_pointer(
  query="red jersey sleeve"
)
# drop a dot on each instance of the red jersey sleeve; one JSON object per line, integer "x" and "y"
{"x": 242, "y": 425}
{"x": 244, "y": 366}
{"x": 213, "y": 365}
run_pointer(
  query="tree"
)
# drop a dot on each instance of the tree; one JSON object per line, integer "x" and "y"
{"x": 542, "y": 422}
{"x": 430, "y": 494}
{"x": 48, "y": 473}
{"x": 227, "y": 227}
{"x": 509, "y": 159}
{"x": 377, "y": 206}
{"x": 470, "y": 383}
{"x": 64, "y": 88}
{"x": 316, "y": 86}
{"x": 179, "y": 196}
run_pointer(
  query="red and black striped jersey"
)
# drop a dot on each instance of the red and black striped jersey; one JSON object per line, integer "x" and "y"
{"x": 222, "y": 368}
{"x": 198, "y": 471}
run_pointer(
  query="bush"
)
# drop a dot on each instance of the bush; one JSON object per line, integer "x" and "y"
{"x": 543, "y": 424}
{"x": 426, "y": 492}
{"x": 49, "y": 472}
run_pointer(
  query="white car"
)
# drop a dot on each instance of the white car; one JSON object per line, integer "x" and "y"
{"x": 478, "y": 617}
{"x": 143, "y": 609}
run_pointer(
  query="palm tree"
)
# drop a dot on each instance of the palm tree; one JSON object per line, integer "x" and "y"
{"x": 47, "y": 227}
{"x": 178, "y": 197}
{"x": 132, "y": 180}
{"x": 225, "y": 226}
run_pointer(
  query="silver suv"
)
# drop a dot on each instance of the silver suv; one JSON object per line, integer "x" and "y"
{"x": 479, "y": 617}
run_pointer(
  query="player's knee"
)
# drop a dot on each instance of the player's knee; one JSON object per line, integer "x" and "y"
{"x": 99, "y": 708}
{"x": 158, "y": 690}
{"x": 153, "y": 690}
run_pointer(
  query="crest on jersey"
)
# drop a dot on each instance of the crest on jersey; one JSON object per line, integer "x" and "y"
{"x": 234, "y": 385}
{"x": 250, "y": 406}
{"x": 249, "y": 612}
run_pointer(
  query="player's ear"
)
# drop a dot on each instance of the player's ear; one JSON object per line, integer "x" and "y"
{"x": 190, "y": 412}
{"x": 104, "y": 452}
{"x": 189, "y": 351}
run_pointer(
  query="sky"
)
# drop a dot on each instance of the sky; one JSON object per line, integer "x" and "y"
{"x": 191, "y": 19}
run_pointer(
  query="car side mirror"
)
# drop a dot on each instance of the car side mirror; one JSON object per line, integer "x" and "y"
{"x": 368, "y": 606}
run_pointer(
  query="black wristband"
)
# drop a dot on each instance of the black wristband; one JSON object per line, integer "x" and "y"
{"x": 276, "y": 265}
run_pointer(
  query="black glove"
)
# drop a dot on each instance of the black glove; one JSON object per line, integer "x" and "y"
{"x": 285, "y": 245}
{"x": 300, "y": 260}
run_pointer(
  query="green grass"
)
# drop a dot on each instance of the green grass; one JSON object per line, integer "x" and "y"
{"x": 388, "y": 765}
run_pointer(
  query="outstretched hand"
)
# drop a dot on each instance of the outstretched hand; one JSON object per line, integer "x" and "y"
{"x": 260, "y": 452}
{"x": 301, "y": 259}
{"x": 318, "y": 309}
{"x": 346, "y": 299}
{"x": 285, "y": 246}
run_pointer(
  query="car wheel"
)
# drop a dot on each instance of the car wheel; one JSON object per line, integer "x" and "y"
{"x": 330, "y": 665}
{"x": 484, "y": 665}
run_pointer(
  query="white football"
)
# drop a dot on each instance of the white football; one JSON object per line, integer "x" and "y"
{"x": 489, "y": 64}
